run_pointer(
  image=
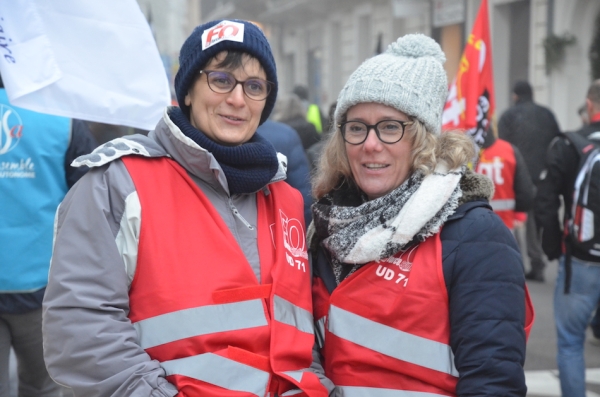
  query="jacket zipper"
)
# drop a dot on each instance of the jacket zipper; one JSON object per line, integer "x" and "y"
{"x": 239, "y": 216}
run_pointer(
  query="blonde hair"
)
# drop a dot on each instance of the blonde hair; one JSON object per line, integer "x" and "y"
{"x": 455, "y": 148}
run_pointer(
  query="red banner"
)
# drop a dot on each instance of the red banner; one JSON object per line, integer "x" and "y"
{"x": 470, "y": 104}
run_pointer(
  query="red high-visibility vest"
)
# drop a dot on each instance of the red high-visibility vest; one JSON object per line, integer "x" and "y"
{"x": 498, "y": 162}
{"x": 196, "y": 303}
{"x": 386, "y": 328}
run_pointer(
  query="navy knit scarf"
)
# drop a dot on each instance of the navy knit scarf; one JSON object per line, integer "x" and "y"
{"x": 248, "y": 167}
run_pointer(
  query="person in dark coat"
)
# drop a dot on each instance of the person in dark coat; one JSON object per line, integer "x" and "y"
{"x": 314, "y": 152}
{"x": 286, "y": 141}
{"x": 312, "y": 111}
{"x": 531, "y": 128}
{"x": 418, "y": 286}
{"x": 289, "y": 110}
{"x": 572, "y": 310}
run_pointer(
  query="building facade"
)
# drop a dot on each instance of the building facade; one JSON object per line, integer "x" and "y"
{"x": 318, "y": 43}
{"x": 171, "y": 22}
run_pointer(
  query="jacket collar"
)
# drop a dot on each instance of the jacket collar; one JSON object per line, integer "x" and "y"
{"x": 196, "y": 160}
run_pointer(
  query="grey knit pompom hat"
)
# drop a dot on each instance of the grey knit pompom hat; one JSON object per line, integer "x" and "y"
{"x": 408, "y": 76}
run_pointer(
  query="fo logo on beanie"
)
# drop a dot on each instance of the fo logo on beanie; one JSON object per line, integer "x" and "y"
{"x": 226, "y": 30}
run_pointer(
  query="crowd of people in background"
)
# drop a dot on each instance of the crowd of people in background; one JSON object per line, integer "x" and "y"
{"x": 298, "y": 282}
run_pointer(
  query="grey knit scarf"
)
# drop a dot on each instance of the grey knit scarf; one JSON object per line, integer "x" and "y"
{"x": 355, "y": 231}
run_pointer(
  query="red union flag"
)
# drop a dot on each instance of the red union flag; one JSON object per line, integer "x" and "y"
{"x": 470, "y": 104}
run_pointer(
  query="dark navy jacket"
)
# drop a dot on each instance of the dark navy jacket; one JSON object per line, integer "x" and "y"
{"x": 287, "y": 142}
{"x": 562, "y": 164}
{"x": 484, "y": 278}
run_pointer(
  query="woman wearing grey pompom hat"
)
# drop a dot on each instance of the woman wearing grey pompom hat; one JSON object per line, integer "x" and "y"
{"x": 418, "y": 285}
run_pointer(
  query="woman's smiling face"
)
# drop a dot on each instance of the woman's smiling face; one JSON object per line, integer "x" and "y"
{"x": 377, "y": 167}
{"x": 232, "y": 118}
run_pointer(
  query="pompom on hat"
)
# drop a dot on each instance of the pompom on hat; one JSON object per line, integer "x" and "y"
{"x": 409, "y": 76}
{"x": 211, "y": 38}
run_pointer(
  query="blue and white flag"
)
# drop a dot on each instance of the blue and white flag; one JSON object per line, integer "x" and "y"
{"x": 86, "y": 59}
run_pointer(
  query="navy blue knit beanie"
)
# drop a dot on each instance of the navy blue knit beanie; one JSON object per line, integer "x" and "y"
{"x": 208, "y": 40}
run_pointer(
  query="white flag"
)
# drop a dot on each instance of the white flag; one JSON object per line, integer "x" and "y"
{"x": 86, "y": 59}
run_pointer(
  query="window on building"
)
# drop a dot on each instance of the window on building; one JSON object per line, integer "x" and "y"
{"x": 365, "y": 38}
{"x": 289, "y": 65}
{"x": 335, "y": 77}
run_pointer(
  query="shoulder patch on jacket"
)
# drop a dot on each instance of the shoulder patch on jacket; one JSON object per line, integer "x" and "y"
{"x": 282, "y": 162}
{"x": 115, "y": 149}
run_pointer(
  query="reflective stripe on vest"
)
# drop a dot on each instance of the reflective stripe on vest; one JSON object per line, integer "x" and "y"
{"x": 503, "y": 205}
{"x": 351, "y": 391}
{"x": 203, "y": 320}
{"x": 320, "y": 331}
{"x": 296, "y": 375}
{"x": 220, "y": 371}
{"x": 291, "y": 392}
{"x": 288, "y": 313}
{"x": 232, "y": 336}
{"x": 391, "y": 342}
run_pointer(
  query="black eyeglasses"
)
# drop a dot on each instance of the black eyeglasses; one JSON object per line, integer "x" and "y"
{"x": 223, "y": 82}
{"x": 388, "y": 131}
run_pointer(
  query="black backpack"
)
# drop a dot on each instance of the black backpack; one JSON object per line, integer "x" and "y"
{"x": 583, "y": 226}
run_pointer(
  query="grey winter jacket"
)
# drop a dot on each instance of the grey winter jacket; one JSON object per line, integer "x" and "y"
{"x": 89, "y": 343}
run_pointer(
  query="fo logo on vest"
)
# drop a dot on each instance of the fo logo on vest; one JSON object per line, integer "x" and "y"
{"x": 294, "y": 241}
{"x": 403, "y": 260}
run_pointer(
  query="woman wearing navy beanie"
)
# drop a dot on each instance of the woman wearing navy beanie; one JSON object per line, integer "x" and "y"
{"x": 180, "y": 263}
